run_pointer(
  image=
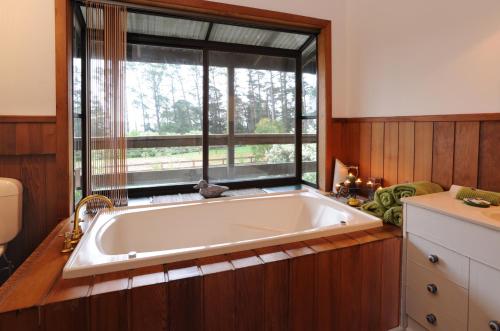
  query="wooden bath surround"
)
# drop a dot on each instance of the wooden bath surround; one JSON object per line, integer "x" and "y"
{"x": 342, "y": 282}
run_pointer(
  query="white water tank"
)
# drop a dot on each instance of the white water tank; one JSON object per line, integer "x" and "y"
{"x": 11, "y": 199}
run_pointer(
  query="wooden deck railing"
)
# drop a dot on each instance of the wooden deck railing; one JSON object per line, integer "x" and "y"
{"x": 214, "y": 140}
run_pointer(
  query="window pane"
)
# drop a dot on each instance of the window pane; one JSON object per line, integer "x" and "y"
{"x": 252, "y": 117}
{"x": 309, "y": 151}
{"x": 309, "y": 108}
{"x": 164, "y": 111}
{"x": 265, "y": 101}
{"x": 166, "y": 26}
{"x": 77, "y": 110}
{"x": 163, "y": 166}
{"x": 256, "y": 37}
{"x": 309, "y": 81}
{"x": 77, "y": 159}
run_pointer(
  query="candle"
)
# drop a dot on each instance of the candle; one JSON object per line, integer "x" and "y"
{"x": 358, "y": 182}
{"x": 347, "y": 182}
{"x": 369, "y": 183}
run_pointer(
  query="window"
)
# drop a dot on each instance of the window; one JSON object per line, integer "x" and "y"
{"x": 251, "y": 117}
{"x": 78, "y": 69}
{"x": 164, "y": 110}
{"x": 231, "y": 103}
{"x": 309, "y": 116}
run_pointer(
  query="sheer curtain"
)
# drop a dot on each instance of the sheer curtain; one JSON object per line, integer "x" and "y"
{"x": 106, "y": 63}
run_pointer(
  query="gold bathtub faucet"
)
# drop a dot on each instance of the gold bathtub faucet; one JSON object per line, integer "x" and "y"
{"x": 72, "y": 238}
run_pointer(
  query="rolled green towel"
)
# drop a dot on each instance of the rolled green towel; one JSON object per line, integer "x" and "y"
{"x": 468, "y": 192}
{"x": 374, "y": 209}
{"x": 403, "y": 191}
{"x": 385, "y": 197}
{"x": 394, "y": 215}
{"x": 413, "y": 189}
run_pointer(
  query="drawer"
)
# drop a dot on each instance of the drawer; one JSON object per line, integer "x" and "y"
{"x": 448, "y": 295}
{"x": 484, "y": 306}
{"x": 418, "y": 307}
{"x": 450, "y": 265}
{"x": 477, "y": 242}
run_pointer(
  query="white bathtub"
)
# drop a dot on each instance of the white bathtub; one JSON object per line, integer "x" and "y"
{"x": 172, "y": 232}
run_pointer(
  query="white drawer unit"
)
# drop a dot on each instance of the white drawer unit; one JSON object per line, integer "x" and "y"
{"x": 452, "y": 265}
{"x": 484, "y": 297}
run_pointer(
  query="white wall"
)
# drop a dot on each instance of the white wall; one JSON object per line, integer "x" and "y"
{"x": 422, "y": 57}
{"x": 27, "y": 57}
{"x": 390, "y": 57}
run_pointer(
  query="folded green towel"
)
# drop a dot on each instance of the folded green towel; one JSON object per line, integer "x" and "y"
{"x": 413, "y": 189}
{"x": 385, "y": 197}
{"x": 468, "y": 192}
{"x": 394, "y": 215}
{"x": 374, "y": 209}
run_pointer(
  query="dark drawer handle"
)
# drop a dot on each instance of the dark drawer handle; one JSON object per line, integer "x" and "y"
{"x": 433, "y": 258}
{"x": 431, "y": 318}
{"x": 494, "y": 325}
{"x": 432, "y": 288}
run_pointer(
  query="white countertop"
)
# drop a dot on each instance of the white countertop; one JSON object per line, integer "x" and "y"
{"x": 445, "y": 203}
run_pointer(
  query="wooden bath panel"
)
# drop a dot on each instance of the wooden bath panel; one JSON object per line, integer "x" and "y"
{"x": 342, "y": 282}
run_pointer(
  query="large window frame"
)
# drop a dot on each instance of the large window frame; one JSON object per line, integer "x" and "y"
{"x": 206, "y": 46}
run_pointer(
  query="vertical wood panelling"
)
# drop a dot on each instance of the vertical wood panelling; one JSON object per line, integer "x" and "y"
{"x": 276, "y": 291}
{"x": 461, "y": 150}
{"x": 489, "y": 156}
{"x": 442, "y": 153}
{"x": 109, "y": 302}
{"x": 338, "y": 149}
{"x": 323, "y": 316}
{"x": 25, "y": 320}
{"x": 218, "y": 296}
{"x": 148, "y": 285}
{"x": 391, "y": 274}
{"x": 301, "y": 280}
{"x": 371, "y": 286}
{"x": 351, "y": 143}
{"x": 67, "y": 302}
{"x": 185, "y": 290}
{"x": 27, "y": 153}
{"x": 424, "y": 136}
{"x": 377, "y": 150}
{"x": 406, "y": 152}
{"x": 391, "y": 153}
{"x": 365, "y": 149}
{"x": 465, "y": 165}
{"x": 8, "y": 139}
{"x": 332, "y": 283}
{"x": 348, "y": 291}
{"x": 249, "y": 277}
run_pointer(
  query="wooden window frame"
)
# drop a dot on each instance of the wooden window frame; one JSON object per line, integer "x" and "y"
{"x": 63, "y": 51}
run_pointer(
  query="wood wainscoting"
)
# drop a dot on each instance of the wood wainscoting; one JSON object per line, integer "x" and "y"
{"x": 343, "y": 282}
{"x": 448, "y": 149}
{"x": 28, "y": 153}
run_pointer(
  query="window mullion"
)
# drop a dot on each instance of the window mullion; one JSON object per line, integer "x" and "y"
{"x": 231, "y": 118}
{"x": 205, "y": 127}
{"x": 298, "y": 118}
